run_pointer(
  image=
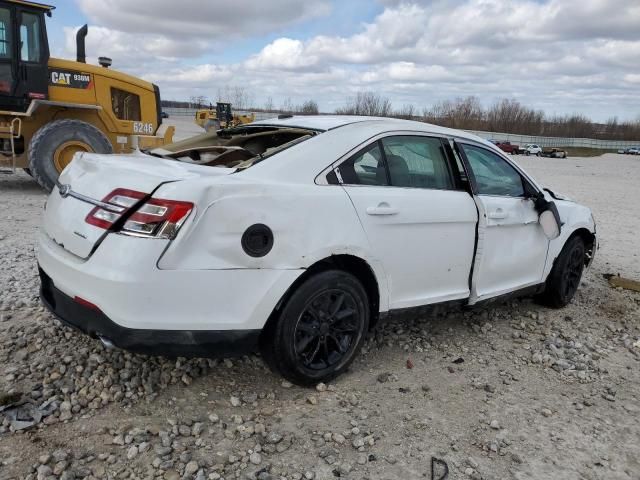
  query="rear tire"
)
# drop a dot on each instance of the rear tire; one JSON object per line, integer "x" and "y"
{"x": 564, "y": 278}
{"x": 52, "y": 148}
{"x": 319, "y": 330}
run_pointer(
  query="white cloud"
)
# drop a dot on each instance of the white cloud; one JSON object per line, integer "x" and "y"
{"x": 132, "y": 49}
{"x": 212, "y": 20}
{"x": 568, "y": 55}
{"x": 283, "y": 53}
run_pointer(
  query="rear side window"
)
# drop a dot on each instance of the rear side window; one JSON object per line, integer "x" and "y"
{"x": 417, "y": 162}
{"x": 365, "y": 168}
{"x": 125, "y": 105}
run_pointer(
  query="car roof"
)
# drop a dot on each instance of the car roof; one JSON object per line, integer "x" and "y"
{"x": 302, "y": 162}
{"x": 313, "y": 122}
{"x": 330, "y": 122}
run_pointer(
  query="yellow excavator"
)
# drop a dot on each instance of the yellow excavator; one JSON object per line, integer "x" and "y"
{"x": 50, "y": 109}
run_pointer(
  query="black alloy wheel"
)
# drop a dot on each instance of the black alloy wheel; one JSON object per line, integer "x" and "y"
{"x": 327, "y": 329}
{"x": 564, "y": 279}
{"x": 573, "y": 272}
{"x": 319, "y": 330}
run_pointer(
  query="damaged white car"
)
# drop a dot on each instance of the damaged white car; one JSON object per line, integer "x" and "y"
{"x": 295, "y": 235}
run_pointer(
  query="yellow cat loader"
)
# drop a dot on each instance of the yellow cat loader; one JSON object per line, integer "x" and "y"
{"x": 51, "y": 109}
{"x": 221, "y": 117}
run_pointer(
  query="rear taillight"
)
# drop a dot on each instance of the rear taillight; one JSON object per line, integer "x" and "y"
{"x": 113, "y": 207}
{"x": 156, "y": 217}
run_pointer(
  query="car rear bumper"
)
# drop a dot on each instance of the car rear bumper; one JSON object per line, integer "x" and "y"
{"x": 122, "y": 279}
{"x": 183, "y": 343}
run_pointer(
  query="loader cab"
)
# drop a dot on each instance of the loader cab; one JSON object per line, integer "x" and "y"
{"x": 224, "y": 113}
{"x": 24, "y": 54}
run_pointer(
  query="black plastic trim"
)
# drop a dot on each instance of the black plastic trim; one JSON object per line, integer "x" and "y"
{"x": 156, "y": 92}
{"x": 168, "y": 343}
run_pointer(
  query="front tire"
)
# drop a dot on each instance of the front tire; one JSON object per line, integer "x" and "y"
{"x": 564, "y": 278}
{"x": 320, "y": 329}
{"x": 52, "y": 148}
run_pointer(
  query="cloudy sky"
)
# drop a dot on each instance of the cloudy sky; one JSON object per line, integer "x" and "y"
{"x": 562, "y": 56}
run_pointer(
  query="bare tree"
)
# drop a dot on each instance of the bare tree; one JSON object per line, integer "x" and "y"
{"x": 367, "y": 103}
{"x": 268, "y": 105}
{"x": 408, "y": 112}
{"x": 310, "y": 107}
{"x": 464, "y": 113}
{"x": 287, "y": 106}
{"x": 197, "y": 101}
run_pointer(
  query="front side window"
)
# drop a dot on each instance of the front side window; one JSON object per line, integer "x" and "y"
{"x": 5, "y": 33}
{"x": 493, "y": 174}
{"x": 126, "y": 105}
{"x": 6, "y": 47}
{"x": 30, "y": 38}
{"x": 417, "y": 162}
{"x": 365, "y": 168}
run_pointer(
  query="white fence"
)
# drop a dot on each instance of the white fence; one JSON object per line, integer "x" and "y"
{"x": 557, "y": 141}
{"x": 512, "y": 137}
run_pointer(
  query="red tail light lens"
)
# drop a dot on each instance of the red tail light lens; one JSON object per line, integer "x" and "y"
{"x": 115, "y": 205}
{"x": 157, "y": 218}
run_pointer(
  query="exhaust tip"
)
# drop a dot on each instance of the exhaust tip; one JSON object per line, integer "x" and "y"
{"x": 106, "y": 342}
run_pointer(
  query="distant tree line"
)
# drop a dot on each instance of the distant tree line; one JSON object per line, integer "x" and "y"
{"x": 503, "y": 116}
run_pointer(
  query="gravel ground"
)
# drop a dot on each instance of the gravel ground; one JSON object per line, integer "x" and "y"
{"x": 514, "y": 392}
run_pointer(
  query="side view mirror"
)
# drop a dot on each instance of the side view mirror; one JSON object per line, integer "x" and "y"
{"x": 549, "y": 218}
{"x": 550, "y": 224}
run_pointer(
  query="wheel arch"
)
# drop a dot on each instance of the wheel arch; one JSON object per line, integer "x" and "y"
{"x": 589, "y": 239}
{"x": 590, "y": 242}
{"x": 352, "y": 264}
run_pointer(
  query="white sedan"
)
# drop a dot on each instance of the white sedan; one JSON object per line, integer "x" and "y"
{"x": 296, "y": 235}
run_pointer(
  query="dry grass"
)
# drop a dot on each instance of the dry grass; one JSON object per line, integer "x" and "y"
{"x": 586, "y": 151}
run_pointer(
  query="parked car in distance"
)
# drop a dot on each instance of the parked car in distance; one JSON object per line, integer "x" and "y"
{"x": 532, "y": 149}
{"x": 630, "y": 150}
{"x": 296, "y": 236}
{"x": 507, "y": 146}
{"x": 164, "y": 114}
{"x": 554, "y": 152}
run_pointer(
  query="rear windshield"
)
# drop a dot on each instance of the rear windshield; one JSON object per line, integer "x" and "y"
{"x": 271, "y": 152}
{"x": 238, "y": 148}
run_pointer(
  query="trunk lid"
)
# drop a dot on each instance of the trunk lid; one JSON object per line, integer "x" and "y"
{"x": 91, "y": 177}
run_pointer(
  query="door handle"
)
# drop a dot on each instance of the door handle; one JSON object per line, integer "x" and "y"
{"x": 383, "y": 208}
{"x": 498, "y": 214}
